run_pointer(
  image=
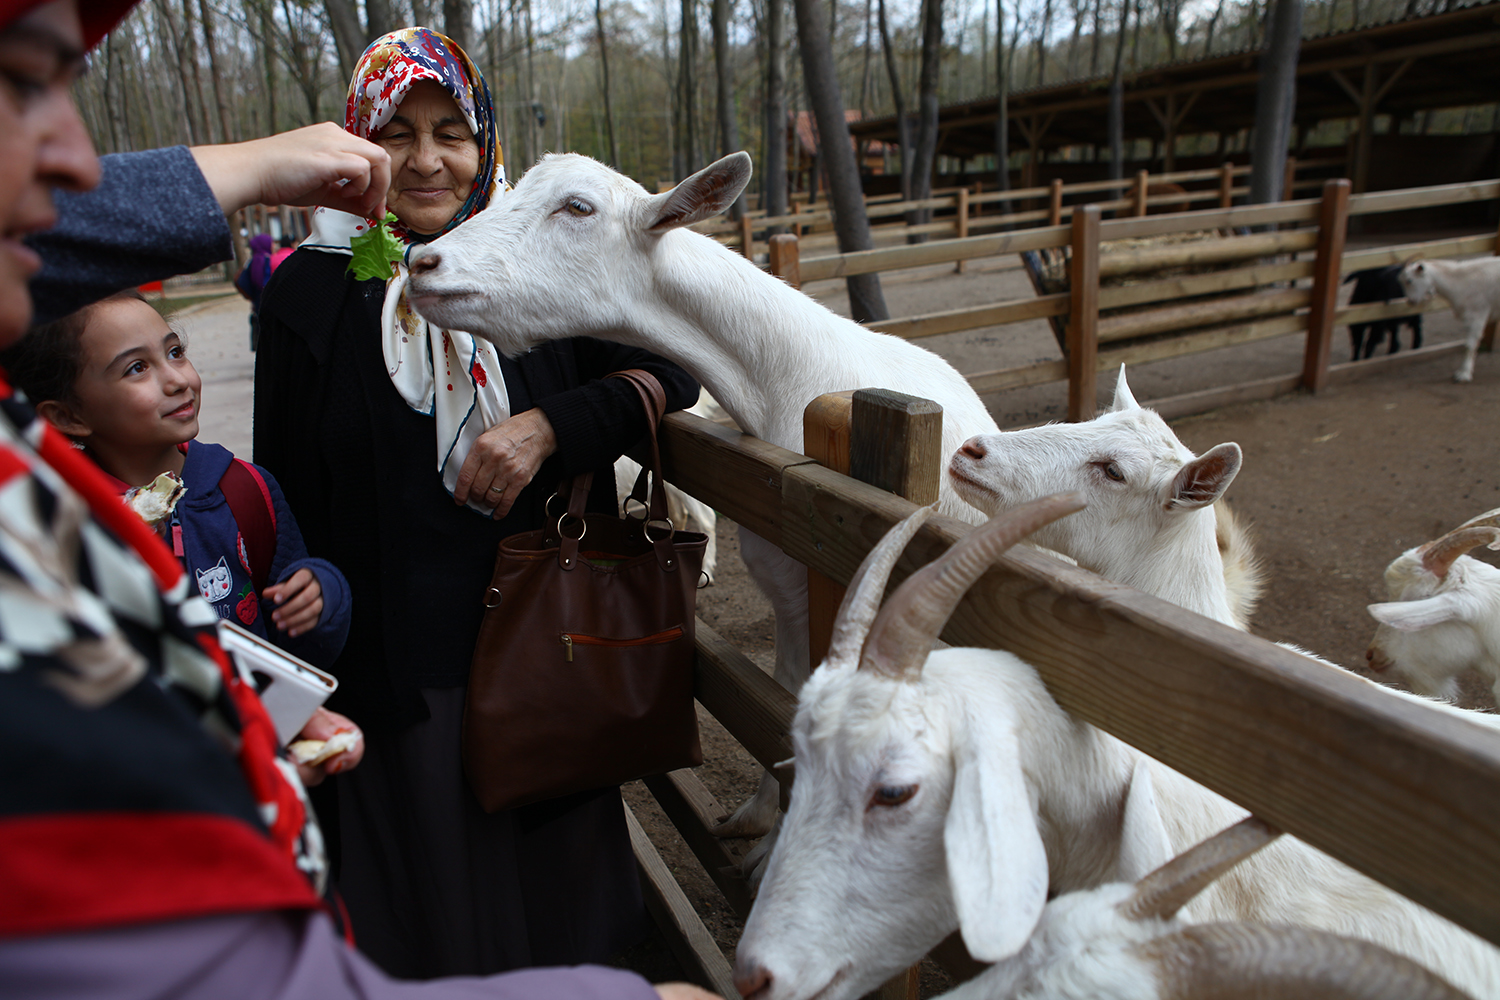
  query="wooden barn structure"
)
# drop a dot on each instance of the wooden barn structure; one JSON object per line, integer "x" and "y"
{"x": 1399, "y": 69}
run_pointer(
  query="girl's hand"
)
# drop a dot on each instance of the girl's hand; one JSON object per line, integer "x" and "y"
{"x": 504, "y": 459}
{"x": 321, "y": 726}
{"x": 299, "y": 600}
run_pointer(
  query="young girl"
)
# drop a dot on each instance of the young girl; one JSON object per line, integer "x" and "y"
{"x": 116, "y": 379}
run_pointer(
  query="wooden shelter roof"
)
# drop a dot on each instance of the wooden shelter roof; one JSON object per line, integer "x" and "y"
{"x": 1400, "y": 67}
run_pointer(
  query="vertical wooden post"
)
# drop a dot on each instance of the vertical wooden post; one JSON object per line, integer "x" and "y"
{"x": 1288, "y": 179}
{"x": 786, "y": 260}
{"x": 961, "y": 207}
{"x": 825, "y": 437}
{"x": 747, "y": 236}
{"x": 1142, "y": 181}
{"x": 1226, "y": 186}
{"x": 1055, "y": 207}
{"x": 1083, "y": 314}
{"x": 1487, "y": 341}
{"x": 1333, "y": 222}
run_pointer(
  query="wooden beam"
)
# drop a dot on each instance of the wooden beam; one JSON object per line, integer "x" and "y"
{"x": 785, "y": 259}
{"x": 895, "y": 443}
{"x": 744, "y": 698}
{"x": 695, "y": 812}
{"x": 1083, "y": 314}
{"x": 694, "y": 947}
{"x": 1333, "y": 223}
{"x": 825, "y": 438}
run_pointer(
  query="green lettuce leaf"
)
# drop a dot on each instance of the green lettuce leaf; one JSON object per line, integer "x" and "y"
{"x": 376, "y": 253}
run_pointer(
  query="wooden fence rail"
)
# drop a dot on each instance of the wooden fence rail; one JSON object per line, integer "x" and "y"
{"x": 1224, "y": 321}
{"x": 1400, "y": 791}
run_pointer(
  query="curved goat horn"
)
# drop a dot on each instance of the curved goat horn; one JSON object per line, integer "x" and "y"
{"x": 1168, "y": 889}
{"x": 903, "y": 632}
{"x": 862, "y": 599}
{"x": 1232, "y": 961}
{"x": 1489, "y": 519}
{"x": 1438, "y": 556}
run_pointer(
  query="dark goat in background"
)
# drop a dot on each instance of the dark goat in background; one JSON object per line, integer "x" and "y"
{"x": 1380, "y": 284}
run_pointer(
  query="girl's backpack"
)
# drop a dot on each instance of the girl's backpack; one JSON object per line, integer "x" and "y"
{"x": 249, "y": 500}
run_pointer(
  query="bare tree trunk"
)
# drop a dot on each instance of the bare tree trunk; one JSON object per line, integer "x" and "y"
{"x": 903, "y": 123}
{"x": 380, "y": 19}
{"x": 268, "y": 59}
{"x": 774, "y": 198}
{"x": 1117, "y": 100}
{"x": 1071, "y": 67}
{"x": 1170, "y": 11}
{"x": 609, "y": 114}
{"x": 1208, "y": 40}
{"x": 190, "y": 35}
{"x": 1098, "y": 35}
{"x": 421, "y": 13}
{"x": 1041, "y": 42}
{"x": 1275, "y": 101}
{"x": 866, "y": 301}
{"x": 927, "y": 102}
{"x": 729, "y": 127}
{"x": 456, "y": 17}
{"x": 226, "y": 128}
{"x": 348, "y": 34}
{"x": 179, "y": 59}
{"x": 1002, "y": 110}
{"x": 866, "y": 75}
{"x": 687, "y": 85}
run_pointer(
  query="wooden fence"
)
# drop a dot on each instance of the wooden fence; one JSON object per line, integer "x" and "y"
{"x": 1260, "y": 295}
{"x": 963, "y": 208}
{"x": 1403, "y": 793}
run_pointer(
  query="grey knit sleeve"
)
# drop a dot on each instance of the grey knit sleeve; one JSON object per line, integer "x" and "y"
{"x": 152, "y": 216}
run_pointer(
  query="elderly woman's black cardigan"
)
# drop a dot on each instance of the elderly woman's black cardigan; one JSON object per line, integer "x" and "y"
{"x": 359, "y": 470}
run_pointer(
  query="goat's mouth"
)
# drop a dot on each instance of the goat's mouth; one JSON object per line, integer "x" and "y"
{"x": 967, "y": 485}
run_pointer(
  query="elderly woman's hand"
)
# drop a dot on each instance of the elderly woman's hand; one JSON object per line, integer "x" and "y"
{"x": 504, "y": 459}
{"x": 317, "y": 165}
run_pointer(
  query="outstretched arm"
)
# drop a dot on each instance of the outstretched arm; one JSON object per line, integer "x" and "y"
{"x": 317, "y": 165}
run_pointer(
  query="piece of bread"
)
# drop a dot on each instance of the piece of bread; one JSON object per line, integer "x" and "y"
{"x": 314, "y": 752}
{"x": 156, "y": 502}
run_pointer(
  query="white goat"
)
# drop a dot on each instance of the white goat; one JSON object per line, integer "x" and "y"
{"x": 947, "y": 790}
{"x": 579, "y": 249}
{"x": 1122, "y": 942}
{"x": 1153, "y": 520}
{"x": 1472, "y": 287}
{"x": 1443, "y": 616}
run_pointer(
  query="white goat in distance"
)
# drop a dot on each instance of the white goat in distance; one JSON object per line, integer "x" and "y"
{"x": 947, "y": 790}
{"x": 1443, "y": 616}
{"x": 1155, "y": 520}
{"x": 1122, "y": 942}
{"x": 577, "y": 249}
{"x": 1472, "y": 287}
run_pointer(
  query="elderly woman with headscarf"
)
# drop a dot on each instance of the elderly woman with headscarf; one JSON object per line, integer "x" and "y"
{"x": 408, "y": 452}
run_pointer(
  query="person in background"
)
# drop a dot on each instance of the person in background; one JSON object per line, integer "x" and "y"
{"x": 252, "y": 280}
{"x": 152, "y": 840}
{"x": 408, "y": 453}
{"x": 284, "y": 248}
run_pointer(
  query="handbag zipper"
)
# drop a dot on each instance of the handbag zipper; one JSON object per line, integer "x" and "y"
{"x": 569, "y": 639}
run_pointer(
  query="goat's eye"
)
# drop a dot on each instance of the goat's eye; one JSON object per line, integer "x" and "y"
{"x": 575, "y": 207}
{"x": 892, "y": 795}
{"x": 1112, "y": 471}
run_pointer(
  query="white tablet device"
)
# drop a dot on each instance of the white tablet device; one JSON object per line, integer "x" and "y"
{"x": 289, "y": 687}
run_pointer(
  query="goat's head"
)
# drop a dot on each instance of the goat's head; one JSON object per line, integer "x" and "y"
{"x": 561, "y": 255}
{"x": 1416, "y": 280}
{"x": 1123, "y": 940}
{"x": 1426, "y": 629}
{"x": 1139, "y": 480}
{"x": 908, "y": 818}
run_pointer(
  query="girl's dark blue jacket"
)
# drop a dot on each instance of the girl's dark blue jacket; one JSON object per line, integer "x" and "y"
{"x": 211, "y": 550}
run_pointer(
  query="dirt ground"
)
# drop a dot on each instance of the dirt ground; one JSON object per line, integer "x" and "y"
{"x": 1334, "y": 487}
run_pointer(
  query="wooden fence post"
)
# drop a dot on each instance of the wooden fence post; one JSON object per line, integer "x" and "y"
{"x": 786, "y": 260}
{"x": 1487, "y": 342}
{"x": 1083, "y": 313}
{"x": 1289, "y": 179}
{"x": 961, "y": 207}
{"x": 1226, "y": 186}
{"x": 1333, "y": 222}
{"x": 1142, "y": 181}
{"x": 747, "y": 236}
{"x": 1055, "y": 208}
{"x": 890, "y": 440}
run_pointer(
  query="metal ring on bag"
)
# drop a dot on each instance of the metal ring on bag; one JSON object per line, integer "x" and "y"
{"x": 583, "y": 528}
{"x": 547, "y": 507}
{"x": 488, "y": 593}
{"x": 665, "y": 520}
{"x": 638, "y": 512}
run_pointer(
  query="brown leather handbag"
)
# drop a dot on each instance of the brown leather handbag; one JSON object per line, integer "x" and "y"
{"x": 583, "y": 672}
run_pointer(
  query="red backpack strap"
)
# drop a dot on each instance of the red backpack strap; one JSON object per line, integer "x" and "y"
{"x": 250, "y": 502}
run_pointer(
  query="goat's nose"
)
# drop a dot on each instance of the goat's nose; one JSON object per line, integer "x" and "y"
{"x": 425, "y": 259}
{"x": 1376, "y": 659}
{"x": 973, "y": 449}
{"x": 751, "y": 979}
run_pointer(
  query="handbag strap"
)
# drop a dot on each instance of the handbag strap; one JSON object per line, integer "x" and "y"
{"x": 654, "y": 402}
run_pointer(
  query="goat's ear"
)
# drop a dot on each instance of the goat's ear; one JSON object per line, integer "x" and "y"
{"x": 1124, "y": 400}
{"x": 702, "y": 196}
{"x": 1409, "y": 616}
{"x": 1204, "y": 480}
{"x": 997, "y": 866}
{"x": 1144, "y": 844}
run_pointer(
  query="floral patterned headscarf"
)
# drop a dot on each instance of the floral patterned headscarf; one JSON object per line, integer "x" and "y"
{"x": 381, "y": 80}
